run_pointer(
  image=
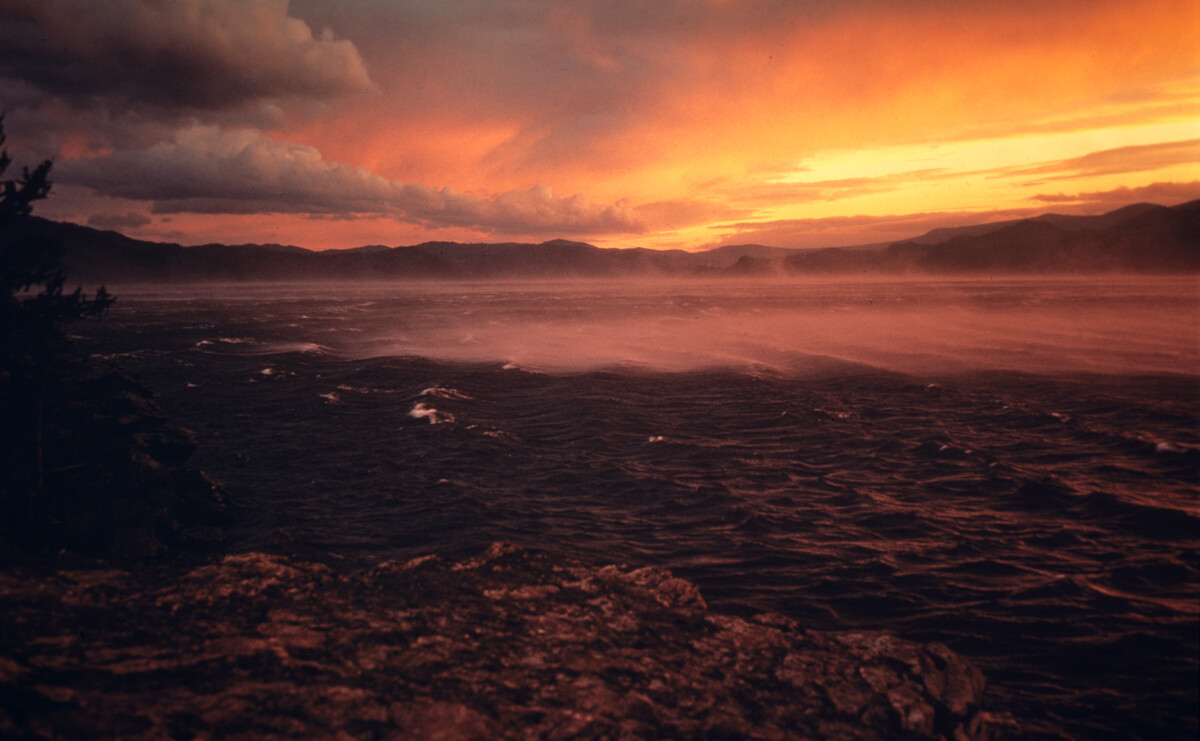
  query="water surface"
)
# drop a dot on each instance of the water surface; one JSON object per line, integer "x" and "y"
{"x": 1010, "y": 467}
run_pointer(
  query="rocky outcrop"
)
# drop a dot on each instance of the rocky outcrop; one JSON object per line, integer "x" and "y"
{"x": 511, "y": 644}
{"x": 91, "y": 465}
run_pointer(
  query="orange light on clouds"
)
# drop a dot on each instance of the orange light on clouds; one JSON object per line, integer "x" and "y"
{"x": 979, "y": 94}
{"x": 704, "y": 119}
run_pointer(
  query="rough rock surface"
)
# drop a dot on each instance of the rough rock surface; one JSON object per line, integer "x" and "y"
{"x": 113, "y": 480}
{"x": 512, "y": 644}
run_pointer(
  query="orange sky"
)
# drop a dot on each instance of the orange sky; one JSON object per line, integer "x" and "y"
{"x": 682, "y": 123}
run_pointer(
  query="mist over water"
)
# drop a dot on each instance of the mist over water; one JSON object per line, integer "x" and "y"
{"x": 920, "y": 327}
{"x": 1011, "y": 467}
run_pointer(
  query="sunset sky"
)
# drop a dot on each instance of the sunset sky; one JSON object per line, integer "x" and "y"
{"x": 664, "y": 123}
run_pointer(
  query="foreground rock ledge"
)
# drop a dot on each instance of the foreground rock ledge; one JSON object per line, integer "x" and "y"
{"x": 512, "y": 644}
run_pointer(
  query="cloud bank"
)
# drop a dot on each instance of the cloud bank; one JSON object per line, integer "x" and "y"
{"x": 1161, "y": 193}
{"x": 205, "y": 169}
{"x": 189, "y": 54}
{"x": 1118, "y": 161}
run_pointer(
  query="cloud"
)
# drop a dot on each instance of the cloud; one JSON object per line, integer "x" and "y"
{"x": 128, "y": 220}
{"x": 658, "y": 101}
{"x": 1167, "y": 194}
{"x": 1118, "y": 161}
{"x": 204, "y": 169}
{"x": 189, "y": 54}
{"x": 687, "y": 212}
{"x": 843, "y": 231}
{"x": 606, "y": 85}
{"x": 830, "y": 190}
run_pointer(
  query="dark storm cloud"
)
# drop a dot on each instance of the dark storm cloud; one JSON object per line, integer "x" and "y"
{"x": 209, "y": 170}
{"x": 190, "y": 54}
{"x": 576, "y": 76}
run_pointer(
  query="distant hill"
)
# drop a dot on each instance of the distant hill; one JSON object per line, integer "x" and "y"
{"x": 1143, "y": 238}
{"x": 733, "y": 254}
{"x": 104, "y": 256}
{"x": 1140, "y": 238}
{"x": 1065, "y": 222}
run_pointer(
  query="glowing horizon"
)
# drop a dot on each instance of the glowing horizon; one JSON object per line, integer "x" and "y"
{"x": 679, "y": 125}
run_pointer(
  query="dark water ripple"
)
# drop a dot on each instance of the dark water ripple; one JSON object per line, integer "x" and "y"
{"x": 1046, "y": 525}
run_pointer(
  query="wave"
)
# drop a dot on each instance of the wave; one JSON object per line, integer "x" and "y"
{"x": 920, "y": 328}
{"x": 434, "y": 416}
{"x": 830, "y": 468}
{"x": 445, "y": 393}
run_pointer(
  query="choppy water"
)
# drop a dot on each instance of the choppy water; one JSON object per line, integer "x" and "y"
{"x": 1012, "y": 468}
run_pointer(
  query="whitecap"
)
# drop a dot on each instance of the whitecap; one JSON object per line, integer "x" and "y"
{"x": 130, "y": 354}
{"x": 303, "y": 347}
{"x": 445, "y": 393}
{"x": 435, "y": 417}
{"x": 513, "y": 365}
{"x": 1169, "y": 448}
{"x": 655, "y": 439}
{"x": 331, "y": 397}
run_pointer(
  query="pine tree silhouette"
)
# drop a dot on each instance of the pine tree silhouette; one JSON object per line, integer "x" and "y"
{"x": 33, "y": 312}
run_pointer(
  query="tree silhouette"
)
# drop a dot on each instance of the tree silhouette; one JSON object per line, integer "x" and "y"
{"x": 33, "y": 310}
{"x": 88, "y": 462}
{"x": 33, "y": 307}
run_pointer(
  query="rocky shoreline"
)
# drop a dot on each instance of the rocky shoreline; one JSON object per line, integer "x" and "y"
{"x": 119, "y": 618}
{"x": 512, "y": 644}
{"x": 111, "y": 479}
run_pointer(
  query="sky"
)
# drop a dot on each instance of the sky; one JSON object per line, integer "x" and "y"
{"x": 682, "y": 124}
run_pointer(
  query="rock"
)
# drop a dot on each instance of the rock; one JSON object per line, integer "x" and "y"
{"x": 514, "y": 643}
{"x": 112, "y": 480}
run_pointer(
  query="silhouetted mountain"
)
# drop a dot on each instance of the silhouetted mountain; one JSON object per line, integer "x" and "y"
{"x": 367, "y": 248}
{"x": 1063, "y": 221}
{"x": 747, "y": 265}
{"x": 1102, "y": 221}
{"x": 104, "y": 256}
{"x": 557, "y": 257}
{"x": 730, "y": 255}
{"x": 1140, "y": 238}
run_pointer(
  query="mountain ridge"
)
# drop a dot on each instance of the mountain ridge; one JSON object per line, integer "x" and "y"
{"x": 1139, "y": 237}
